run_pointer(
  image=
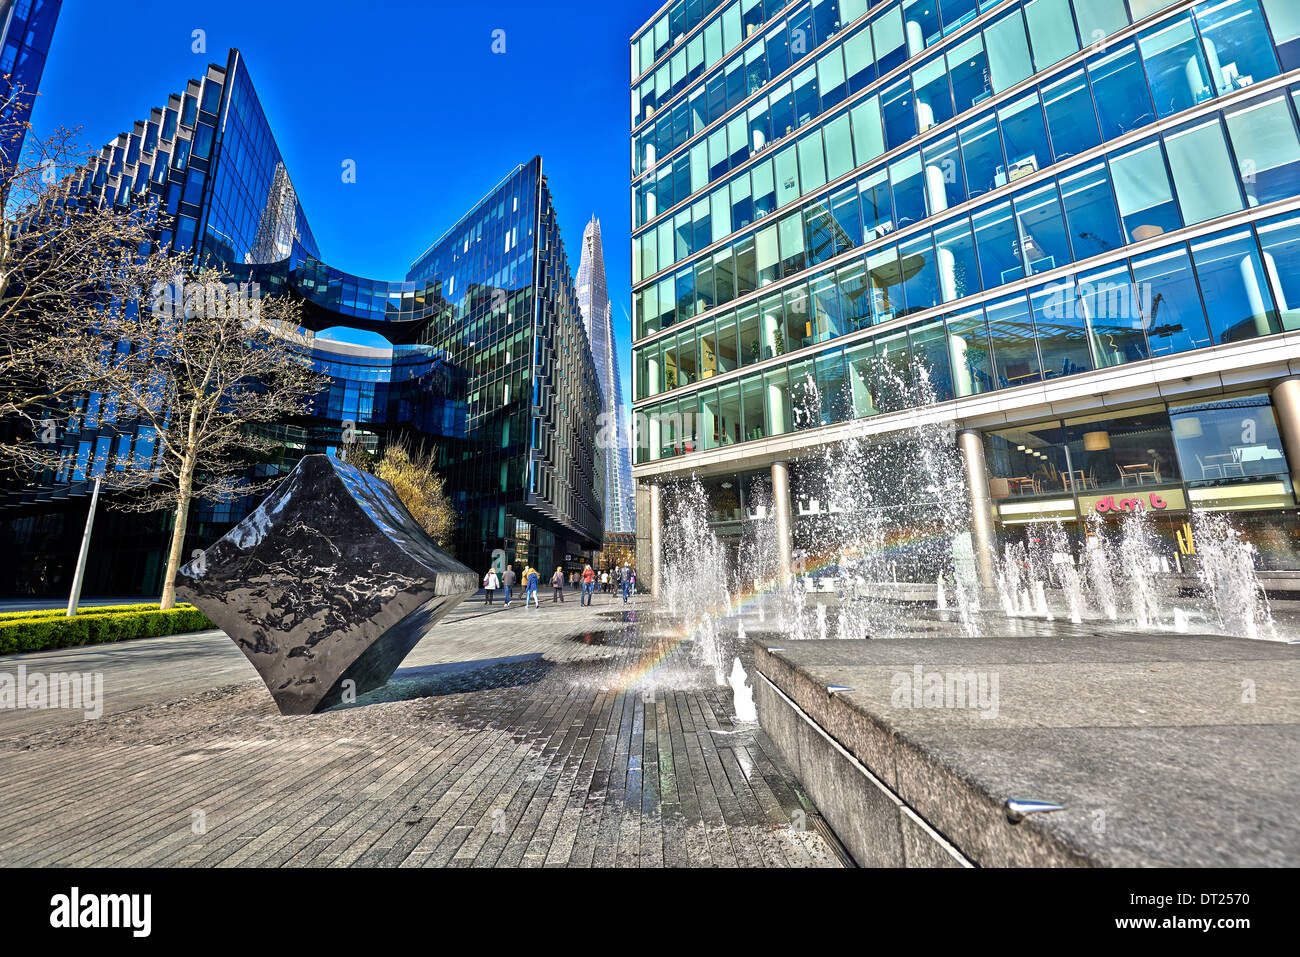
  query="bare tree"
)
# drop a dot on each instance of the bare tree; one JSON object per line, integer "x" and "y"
{"x": 65, "y": 256}
{"x": 198, "y": 377}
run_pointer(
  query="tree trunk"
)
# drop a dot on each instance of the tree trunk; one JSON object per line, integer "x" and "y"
{"x": 184, "y": 492}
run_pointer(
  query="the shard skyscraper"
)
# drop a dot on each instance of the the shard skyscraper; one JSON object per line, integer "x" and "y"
{"x": 593, "y": 297}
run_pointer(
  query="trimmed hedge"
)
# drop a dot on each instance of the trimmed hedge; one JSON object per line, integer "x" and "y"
{"x": 41, "y": 632}
{"x": 84, "y": 610}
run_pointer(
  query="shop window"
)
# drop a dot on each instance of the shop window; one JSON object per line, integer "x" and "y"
{"x": 1228, "y": 440}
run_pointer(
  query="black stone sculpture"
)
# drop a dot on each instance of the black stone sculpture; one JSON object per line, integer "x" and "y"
{"x": 327, "y": 586}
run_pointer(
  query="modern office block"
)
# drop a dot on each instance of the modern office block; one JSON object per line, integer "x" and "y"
{"x": 26, "y": 29}
{"x": 488, "y": 362}
{"x": 1081, "y": 219}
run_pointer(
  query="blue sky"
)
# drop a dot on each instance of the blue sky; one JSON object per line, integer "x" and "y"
{"x": 409, "y": 90}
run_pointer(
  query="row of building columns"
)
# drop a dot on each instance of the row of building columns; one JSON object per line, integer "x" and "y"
{"x": 970, "y": 442}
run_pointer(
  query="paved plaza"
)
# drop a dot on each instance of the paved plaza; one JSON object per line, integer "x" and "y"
{"x": 559, "y": 736}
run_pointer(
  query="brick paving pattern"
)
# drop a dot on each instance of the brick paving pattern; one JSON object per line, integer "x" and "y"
{"x": 506, "y": 740}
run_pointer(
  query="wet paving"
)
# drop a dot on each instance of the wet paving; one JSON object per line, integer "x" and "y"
{"x": 560, "y": 736}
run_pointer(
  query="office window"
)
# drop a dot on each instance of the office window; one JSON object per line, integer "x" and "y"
{"x": 855, "y": 296}
{"x": 1011, "y": 329}
{"x": 1008, "y": 51}
{"x": 827, "y": 315}
{"x": 859, "y": 61}
{"x": 1264, "y": 140}
{"x": 750, "y": 332}
{"x": 1284, "y": 21}
{"x": 806, "y": 100}
{"x": 886, "y": 284}
{"x": 933, "y": 98}
{"x": 1280, "y": 239}
{"x": 1236, "y": 43}
{"x": 1062, "y": 334}
{"x": 793, "y": 256}
{"x": 1175, "y": 65}
{"x": 969, "y": 69}
{"x": 943, "y": 175}
{"x": 746, "y": 267}
{"x": 1142, "y": 191}
{"x": 908, "y": 181}
{"x": 776, "y": 395}
{"x": 839, "y": 147}
{"x": 830, "y": 78}
{"x": 897, "y": 113}
{"x": 1172, "y": 311}
{"x": 727, "y": 344}
{"x": 998, "y": 245}
{"x": 1042, "y": 228}
{"x": 836, "y": 405}
{"x": 1071, "y": 119}
{"x": 1051, "y": 31}
{"x": 868, "y": 135}
{"x": 887, "y": 38}
{"x": 981, "y": 152}
{"x": 848, "y": 220}
{"x": 860, "y": 371}
{"x": 819, "y": 231}
{"x": 1232, "y": 279}
{"x": 812, "y": 162}
{"x": 929, "y": 347}
{"x": 877, "y": 207}
{"x": 1120, "y": 91}
{"x": 1098, "y": 19}
{"x": 767, "y": 257}
{"x": 1106, "y": 302}
{"x": 1202, "y": 171}
{"x": 787, "y": 176}
{"x": 920, "y": 277}
{"x": 972, "y": 357}
{"x": 764, "y": 188}
{"x": 1089, "y": 204}
{"x": 798, "y": 319}
{"x": 958, "y": 270}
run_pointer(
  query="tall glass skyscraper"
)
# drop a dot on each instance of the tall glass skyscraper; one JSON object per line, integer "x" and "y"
{"x": 489, "y": 361}
{"x": 1081, "y": 217}
{"x": 597, "y": 314}
{"x": 26, "y": 29}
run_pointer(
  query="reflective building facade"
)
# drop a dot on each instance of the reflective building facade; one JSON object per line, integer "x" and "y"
{"x": 26, "y": 29}
{"x": 1082, "y": 217}
{"x": 489, "y": 362}
{"x": 597, "y": 313}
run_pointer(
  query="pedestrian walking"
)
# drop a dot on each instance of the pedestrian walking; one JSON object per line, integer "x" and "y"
{"x": 508, "y": 579}
{"x": 491, "y": 583}
{"x": 625, "y": 575}
{"x": 531, "y": 581}
{"x": 604, "y": 582}
{"x": 588, "y": 585}
{"x": 557, "y": 584}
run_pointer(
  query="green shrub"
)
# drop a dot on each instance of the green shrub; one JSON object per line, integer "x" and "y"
{"x": 42, "y": 632}
{"x": 88, "y": 610}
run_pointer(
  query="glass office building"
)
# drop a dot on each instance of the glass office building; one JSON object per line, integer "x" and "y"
{"x": 26, "y": 29}
{"x": 487, "y": 359}
{"x": 1080, "y": 217}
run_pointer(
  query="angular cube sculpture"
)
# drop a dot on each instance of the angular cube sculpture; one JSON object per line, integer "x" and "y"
{"x": 330, "y": 581}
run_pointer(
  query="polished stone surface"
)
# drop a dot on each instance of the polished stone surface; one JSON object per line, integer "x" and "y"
{"x": 1163, "y": 750}
{"x": 327, "y": 586}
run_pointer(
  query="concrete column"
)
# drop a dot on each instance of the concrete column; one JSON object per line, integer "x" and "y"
{"x": 656, "y": 542}
{"x": 1286, "y": 403}
{"x": 983, "y": 538}
{"x": 781, "y": 506}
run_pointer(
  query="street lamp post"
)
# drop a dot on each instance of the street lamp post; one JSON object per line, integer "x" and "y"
{"x": 75, "y": 597}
